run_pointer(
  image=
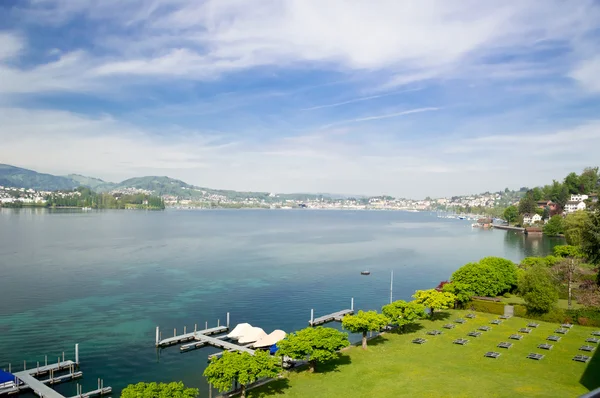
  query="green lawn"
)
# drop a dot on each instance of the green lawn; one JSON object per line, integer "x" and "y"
{"x": 562, "y": 303}
{"x": 393, "y": 366}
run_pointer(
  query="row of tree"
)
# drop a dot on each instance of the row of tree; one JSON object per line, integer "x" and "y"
{"x": 321, "y": 344}
{"x": 88, "y": 198}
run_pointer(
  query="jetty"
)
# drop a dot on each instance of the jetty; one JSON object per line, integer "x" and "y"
{"x": 185, "y": 337}
{"x": 27, "y": 379}
{"x": 202, "y": 338}
{"x": 334, "y": 316}
{"x": 508, "y": 228}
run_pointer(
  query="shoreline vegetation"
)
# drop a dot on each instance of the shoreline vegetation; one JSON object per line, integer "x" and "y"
{"x": 85, "y": 198}
{"x": 557, "y": 291}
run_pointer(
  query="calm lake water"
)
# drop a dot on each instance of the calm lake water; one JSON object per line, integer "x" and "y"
{"x": 106, "y": 279}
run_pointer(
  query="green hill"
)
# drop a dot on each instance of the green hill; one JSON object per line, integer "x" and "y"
{"x": 11, "y": 176}
{"x": 158, "y": 185}
{"x": 95, "y": 184}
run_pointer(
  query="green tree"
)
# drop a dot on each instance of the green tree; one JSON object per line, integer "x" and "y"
{"x": 589, "y": 179}
{"x": 590, "y": 237}
{"x": 462, "y": 291}
{"x": 511, "y": 214}
{"x": 489, "y": 277}
{"x": 505, "y": 269}
{"x": 527, "y": 204}
{"x": 403, "y": 313}
{"x": 538, "y": 289}
{"x": 318, "y": 344}
{"x": 574, "y": 224}
{"x": 364, "y": 322}
{"x": 554, "y": 226}
{"x": 548, "y": 261}
{"x": 545, "y": 213}
{"x": 241, "y": 367}
{"x": 537, "y": 194}
{"x": 435, "y": 300}
{"x": 158, "y": 390}
{"x": 572, "y": 183}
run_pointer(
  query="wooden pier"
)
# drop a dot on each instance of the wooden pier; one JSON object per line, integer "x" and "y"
{"x": 26, "y": 379}
{"x": 334, "y": 316}
{"x": 202, "y": 338}
{"x": 185, "y": 337}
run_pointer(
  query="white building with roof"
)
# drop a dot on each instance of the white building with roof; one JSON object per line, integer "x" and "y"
{"x": 573, "y": 205}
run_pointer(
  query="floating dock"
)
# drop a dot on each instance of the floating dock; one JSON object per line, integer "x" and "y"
{"x": 185, "y": 337}
{"x": 202, "y": 338}
{"x": 26, "y": 379}
{"x": 334, "y": 316}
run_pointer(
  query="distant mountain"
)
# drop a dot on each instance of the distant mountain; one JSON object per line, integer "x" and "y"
{"x": 11, "y": 176}
{"x": 95, "y": 184}
{"x": 22, "y": 178}
{"x": 159, "y": 185}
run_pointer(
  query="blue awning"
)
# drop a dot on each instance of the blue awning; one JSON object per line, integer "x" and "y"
{"x": 6, "y": 377}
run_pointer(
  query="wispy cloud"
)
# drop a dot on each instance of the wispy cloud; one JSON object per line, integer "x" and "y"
{"x": 378, "y": 117}
{"x": 352, "y": 101}
{"x": 156, "y": 84}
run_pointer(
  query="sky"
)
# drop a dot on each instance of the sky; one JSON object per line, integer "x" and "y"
{"x": 410, "y": 99}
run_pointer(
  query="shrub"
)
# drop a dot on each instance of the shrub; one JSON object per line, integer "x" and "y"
{"x": 589, "y": 316}
{"x": 506, "y": 295}
{"x": 488, "y": 277}
{"x": 490, "y": 307}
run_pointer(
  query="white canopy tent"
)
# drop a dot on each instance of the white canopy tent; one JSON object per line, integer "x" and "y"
{"x": 239, "y": 330}
{"x": 252, "y": 335}
{"x": 270, "y": 339}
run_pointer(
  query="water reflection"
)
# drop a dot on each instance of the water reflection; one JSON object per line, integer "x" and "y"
{"x": 531, "y": 245}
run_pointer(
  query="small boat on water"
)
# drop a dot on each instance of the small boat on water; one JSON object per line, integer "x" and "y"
{"x": 365, "y": 272}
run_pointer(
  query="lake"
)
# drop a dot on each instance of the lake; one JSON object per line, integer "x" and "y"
{"x": 106, "y": 279}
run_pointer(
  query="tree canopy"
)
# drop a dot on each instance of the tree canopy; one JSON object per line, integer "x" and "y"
{"x": 554, "y": 226}
{"x": 434, "y": 299}
{"x": 511, "y": 214}
{"x": 402, "y": 313}
{"x": 490, "y": 276}
{"x": 241, "y": 367}
{"x": 318, "y": 344}
{"x": 590, "y": 238}
{"x": 574, "y": 224}
{"x": 363, "y": 322}
{"x": 538, "y": 289}
{"x": 527, "y": 204}
{"x": 462, "y": 291}
{"x": 159, "y": 390}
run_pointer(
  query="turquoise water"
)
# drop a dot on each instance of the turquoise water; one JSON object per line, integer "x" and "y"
{"x": 106, "y": 279}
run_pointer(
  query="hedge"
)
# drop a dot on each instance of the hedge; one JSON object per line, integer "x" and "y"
{"x": 589, "y": 316}
{"x": 584, "y": 316}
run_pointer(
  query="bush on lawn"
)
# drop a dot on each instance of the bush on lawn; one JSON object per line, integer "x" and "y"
{"x": 588, "y": 316}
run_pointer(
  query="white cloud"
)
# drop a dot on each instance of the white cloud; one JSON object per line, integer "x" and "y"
{"x": 10, "y": 46}
{"x": 587, "y": 73}
{"x": 203, "y": 40}
{"x": 63, "y": 142}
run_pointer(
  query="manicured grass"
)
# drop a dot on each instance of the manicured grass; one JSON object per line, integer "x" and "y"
{"x": 562, "y": 303}
{"x": 393, "y": 366}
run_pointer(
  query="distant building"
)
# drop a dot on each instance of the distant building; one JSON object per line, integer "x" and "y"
{"x": 531, "y": 218}
{"x": 578, "y": 198}
{"x": 543, "y": 203}
{"x": 573, "y": 205}
{"x": 594, "y": 197}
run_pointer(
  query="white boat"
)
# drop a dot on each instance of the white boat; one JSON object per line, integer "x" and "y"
{"x": 270, "y": 339}
{"x": 239, "y": 330}
{"x": 252, "y": 335}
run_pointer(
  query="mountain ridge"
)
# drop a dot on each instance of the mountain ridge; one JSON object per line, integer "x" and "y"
{"x": 18, "y": 177}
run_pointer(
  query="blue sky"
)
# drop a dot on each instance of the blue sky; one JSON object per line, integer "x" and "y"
{"x": 347, "y": 96}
